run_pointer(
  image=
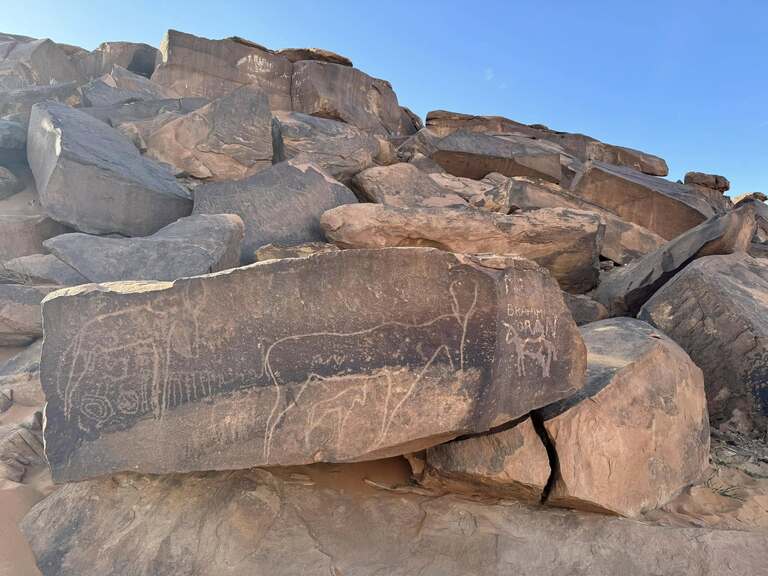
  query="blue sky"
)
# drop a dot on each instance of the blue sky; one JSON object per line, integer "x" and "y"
{"x": 687, "y": 80}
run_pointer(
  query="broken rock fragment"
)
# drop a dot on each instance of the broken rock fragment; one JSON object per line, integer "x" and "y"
{"x": 638, "y": 432}
{"x": 565, "y": 242}
{"x": 120, "y": 86}
{"x": 277, "y": 364}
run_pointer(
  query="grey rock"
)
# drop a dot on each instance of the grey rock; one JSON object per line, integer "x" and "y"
{"x": 717, "y": 310}
{"x": 92, "y": 178}
{"x": 624, "y": 290}
{"x": 137, "y": 58}
{"x": 20, "y": 318}
{"x": 21, "y": 446}
{"x": 20, "y": 377}
{"x": 338, "y": 148}
{"x": 13, "y": 137}
{"x": 190, "y": 246}
{"x": 279, "y": 205}
{"x": 171, "y": 525}
{"x": 9, "y": 183}
{"x": 346, "y": 94}
{"x": 277, "y": 364}
{"x": 34, "y": 63}
{"x": 40, "y": 269}
{"x": 118, "y": 114}
{"x": 16, "y": 105}
{"x": 228, "y": 139}
{"x": 120, "y": 86}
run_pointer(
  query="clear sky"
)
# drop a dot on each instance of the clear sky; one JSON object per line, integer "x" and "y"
{"x": 684, "y": 79}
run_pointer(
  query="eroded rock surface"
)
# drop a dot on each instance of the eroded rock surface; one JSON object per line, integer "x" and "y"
{"x": 404, "y": 186}
{"x": 273, "y": 364}
{"x": 121, "y": 86}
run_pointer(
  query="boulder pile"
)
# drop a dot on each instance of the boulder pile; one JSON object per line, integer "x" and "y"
{"x": 256, "y": 317}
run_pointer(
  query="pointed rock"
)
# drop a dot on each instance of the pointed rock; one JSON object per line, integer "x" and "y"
{"x": 624, "y": 290}
{"x": 92, "y": 178}
{"x": 336, "y": 357}
{"x": 565, "y": 242}
{"x": 638, "y": 432}
{"x": 717, "y": 310}
{"x": 279, "y": 205}
{"x": 190, "y": 246}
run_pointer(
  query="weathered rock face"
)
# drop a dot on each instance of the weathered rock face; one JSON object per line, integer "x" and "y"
{"x": 474, "y": 155}
{"x": 565, "y": 242}
{"x": 229, "y": 139}
{"x": 92, "y": 178}
{"x": 347, "y": 94}
{"x": 713, "y": 181}
{"x": 512, "y": 463}
{"x": 120, "y": 86}
{"x": 580, "y": 146}
{"x": 298, "y": 54}
{"x": 13, "y": 144}
{"x": 20, "y": 320}
{"x": 583, "y": 309}
{"x": 638, "y": 432}
{"x": 279, "y": 205}
{"x": 626, "y": 289}
{"x": 274, "y": 524}
{"x": 40, "y": 269}
{"x": 273, "y": 365}
{"x": 338, "y": 148}
{"x": 20, "y": 446}
{"x": 664, "y": 207}
{"x": 757, "y": 196}
{"x": 138, "y": 58}
{"x": 189, "y": 247}
{"x": 193, "y": 66}
{"x": 277, "y": 251}
{"x": 16, "y": 104}
{"x": 34, "y": 63}
{"x": 9, "y": 183}
{"x": 716, "y": 310}
{"x": 20, "y": 377}
{"x": 404, "y": 186}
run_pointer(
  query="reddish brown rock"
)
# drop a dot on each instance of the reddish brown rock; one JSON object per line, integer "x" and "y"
{"x": 717, "y": 310}
{"x": 624, "y": 290}
{"x": 138, "y": 58}
{"x": 336, "y": 357}
{"x": 638, "y": 432}
{"x": 403, "y": 185}
{"x": 583, "y": 309}
{"x": 120, "y": 86}
{"x": 298, "y": 54}
{"x": 712, "y": 181}
{"x": 664, "y": 207}
{"x": 229, "y": 139}
{"x": 27, "y": 63}
{"x": 565, "y": 242}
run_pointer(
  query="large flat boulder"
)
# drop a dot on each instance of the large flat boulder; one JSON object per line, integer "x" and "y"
{"x": 474, "y": 155}
{"x": 624, "y": 290}
{"x": 90, "y": 177}
{"x": 194, "y": 66}
{"x": 279, "y": 205}
{"x": 228, "y": 139}
{"x": 638, "y": 432}
{"x": 190, "y": 246}
{"x": 258, "y": 521}
{"x": 120, "y": 86}
{"x": 717, "y": 310}
{"x": 20, "y": 318}
{"x": 565, "y": 242}
{"x": 25, "y": 63}
{"x": 337, "y": 147}
{"x": 583, "y": 147}
{"x": 662, "y": 206}
{"x": 511, "y": 463}
{"x": 402, "y": 185}
{"x": 336, "y": 357}
{"x": 40, "y": 269}
{"x": 347, "y": 94}
{"x": 135, "y": 57}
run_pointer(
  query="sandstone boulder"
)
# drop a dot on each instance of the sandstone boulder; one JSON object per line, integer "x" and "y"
{"x": 16, "y": 105}
{"x": 24, "y": 234}
{"x": 298, "y": 54}
{"x": 266, "y": 522}
{"x": 137, "y": 58}
{"x": 120, "y": 86}
{"x": 338, "y": 148}
{"x": 20, "y": 319}
{"x": 756, "y": 196}
{"x": 565, "y": 242}
{"x": 193, "y": 66}
{"x": 277, "y": 251}
{"x": 229, "y": 139}
{"x": 343, "y": 93}
{"x": 664, "y": 207}
{"x": 474, "y": 155}
{"x": 20, "y": 377}
{"x": 638, "y": 432}
{"x": 713, "y": 181}
{"x": 189, "y": 247}
{"x": 511, "y": 463}
{"x": 92, "y": 178}
{"x": 403, "y": 185}
{"x": 40, "y": 269}
{"x": 624, "y": 290}
{"x": 717, "y": 310}
{"x": 279, "y": 205}
{"x": 583, "y": 309}
{"x": 580, "y": 146}
{"x": 335, "y": 357}
{"x": 34, "y": 63}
